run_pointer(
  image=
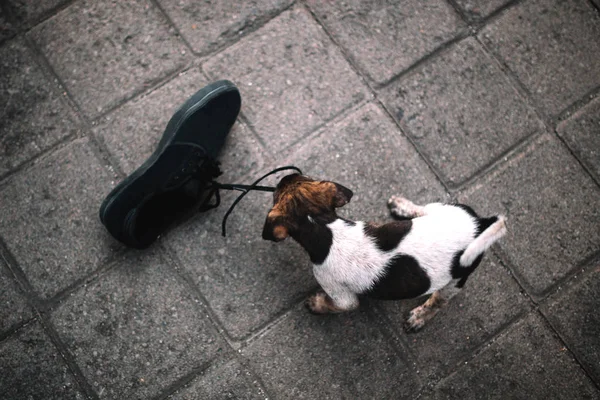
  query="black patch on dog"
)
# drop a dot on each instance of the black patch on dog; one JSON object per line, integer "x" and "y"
{"x": 316, "y": 239}
{"x": 460, "y": 272}
{"x": 388, "y": 236}
{"x": 482, "y": 223}
{"x": 403, "y": 279}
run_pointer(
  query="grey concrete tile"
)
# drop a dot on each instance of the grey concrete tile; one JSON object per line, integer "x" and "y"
{"x": 132, "y": 132}
{"x": 292, "y": 85}
{"x": 32, "y": 368}
{"x": 106, "y": 51}
{"x": 6, "y": 28}
{"x": 14, "y": 308}
{"x": 581, "y": 134}
{"x": 366, "y": 153}
{"x": 385, "y": 38}
{"x": 136, "y": 330}
{"x": 246, "y": 280}
{"x": 28, "y": 12}
{"x": 478, "y": 9}
{"x": 552, "y": 47}
{"x": 228, "y": 381}
{"x": 49, "y": 218}
{"x": 550, "y": 230}
{"x": 461, "y": 111}
{"x": 525, "y": 363}
{"x": 209, "y": 25}
{"x": 574, "y": 314}
{"x": 343, "y": 356}
{"x": 488, "y": 302}
{"x": 33, "y": 117}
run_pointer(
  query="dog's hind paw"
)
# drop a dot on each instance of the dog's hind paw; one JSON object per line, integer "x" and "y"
{"x": 413, "y": 323}
{"x": 317, "y": 304}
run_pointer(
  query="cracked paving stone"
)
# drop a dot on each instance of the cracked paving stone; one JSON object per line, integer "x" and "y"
{"x": 50, "y": 218}
{"x": 136, "y": 330}
{"x": 550, "y": 231}
{"x": 209, "y": 25}
{"x": 105, "y": 51}
{"x": 335, "y": 356}
{"x": 574, "y": 314}
{"x": 132, "y": 132}
{"x": 461, "y": 111}
{"x": 32, "y": 368}
{"x": 384, "y": 38}
{"x": 291, "y": 86}
{"x": 33, "y": 117}
{"x": 552, "y": 47}
{"x": 527, "y": 362}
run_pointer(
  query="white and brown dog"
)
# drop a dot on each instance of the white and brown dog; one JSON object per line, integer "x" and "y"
{"x": 433, "y": 252}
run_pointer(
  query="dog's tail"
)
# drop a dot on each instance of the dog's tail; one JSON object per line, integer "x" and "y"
{"x": 482, "y": 242}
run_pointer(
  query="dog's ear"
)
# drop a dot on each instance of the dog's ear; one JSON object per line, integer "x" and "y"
{"x": 342, "y": 195}
{"x": 274, "y": 230}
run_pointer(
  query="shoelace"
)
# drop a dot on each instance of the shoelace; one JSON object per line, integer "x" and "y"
{"x": 210, "y": 167}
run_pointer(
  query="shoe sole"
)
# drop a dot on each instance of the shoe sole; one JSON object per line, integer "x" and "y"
{"x": 198, "y": 100}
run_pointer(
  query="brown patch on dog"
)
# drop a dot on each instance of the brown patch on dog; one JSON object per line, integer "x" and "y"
{"x": 321, "y": 303}
{"x": 420, "y": 315}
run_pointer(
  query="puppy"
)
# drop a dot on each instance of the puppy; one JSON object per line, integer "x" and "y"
{"x": 432, "y": 252}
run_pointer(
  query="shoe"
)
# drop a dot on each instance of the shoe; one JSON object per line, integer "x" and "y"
{"x": 178, "y": 175}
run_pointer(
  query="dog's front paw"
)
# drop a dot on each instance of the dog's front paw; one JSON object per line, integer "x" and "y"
{"x": 317, "y": 304}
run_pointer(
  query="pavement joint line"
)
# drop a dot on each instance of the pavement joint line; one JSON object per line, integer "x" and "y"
{"x": 577, "y": 105}
{"x": 579, "y": 161}
{"x": 67, "y": 357}
{"x": 184, "y": 381}
{"x": 24, "y": 29}
{"x": 170, "y": 22}
{"x": 573, "y": 354}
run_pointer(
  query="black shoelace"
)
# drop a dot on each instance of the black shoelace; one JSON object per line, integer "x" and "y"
{"x": 211, "y": 168}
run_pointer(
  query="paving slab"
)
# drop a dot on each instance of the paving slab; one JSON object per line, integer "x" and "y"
{"x": 461, "y": 111}
{"x": 207, "y": 26}
{"x": 29, "y": 12}
{"x": 573, "y": 311}
{"x": 105, "y": 51}
{"x": 246, "y": 280}
{"x": 228, "y": 381}
{"x": 132, "y": 132}
{"x": 32, "y": 368}
{"x": 582, "y": 134}
{"x": 478, "y": 9}
{"x": 528, "y": 362}
{"x": 343, "y": 356}
{"x": 136, "y": 330}
{"x": 535, "y": 191}
{"x": 385, "y": 38}
{"x": 6, "y": 28}
{"x": 490, "y": 300}
{"x": 49, "y": 218}
{"x": 552, "y": 48}
{"x": 367, "y": 153}
{"x": 14, "y": 309}
{"x": 293, "y": 84}
{"x": 33, "y": 116}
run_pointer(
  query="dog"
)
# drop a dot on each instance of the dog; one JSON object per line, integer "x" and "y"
{"x": 432, "y": 251}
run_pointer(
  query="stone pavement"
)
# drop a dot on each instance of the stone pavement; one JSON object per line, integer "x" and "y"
{"x": 490, "y": 102}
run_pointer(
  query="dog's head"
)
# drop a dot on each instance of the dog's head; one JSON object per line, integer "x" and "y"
{"x": 297, "y": 198}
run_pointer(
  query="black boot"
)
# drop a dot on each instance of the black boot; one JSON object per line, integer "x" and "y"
{"x": 177, "y": 177}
